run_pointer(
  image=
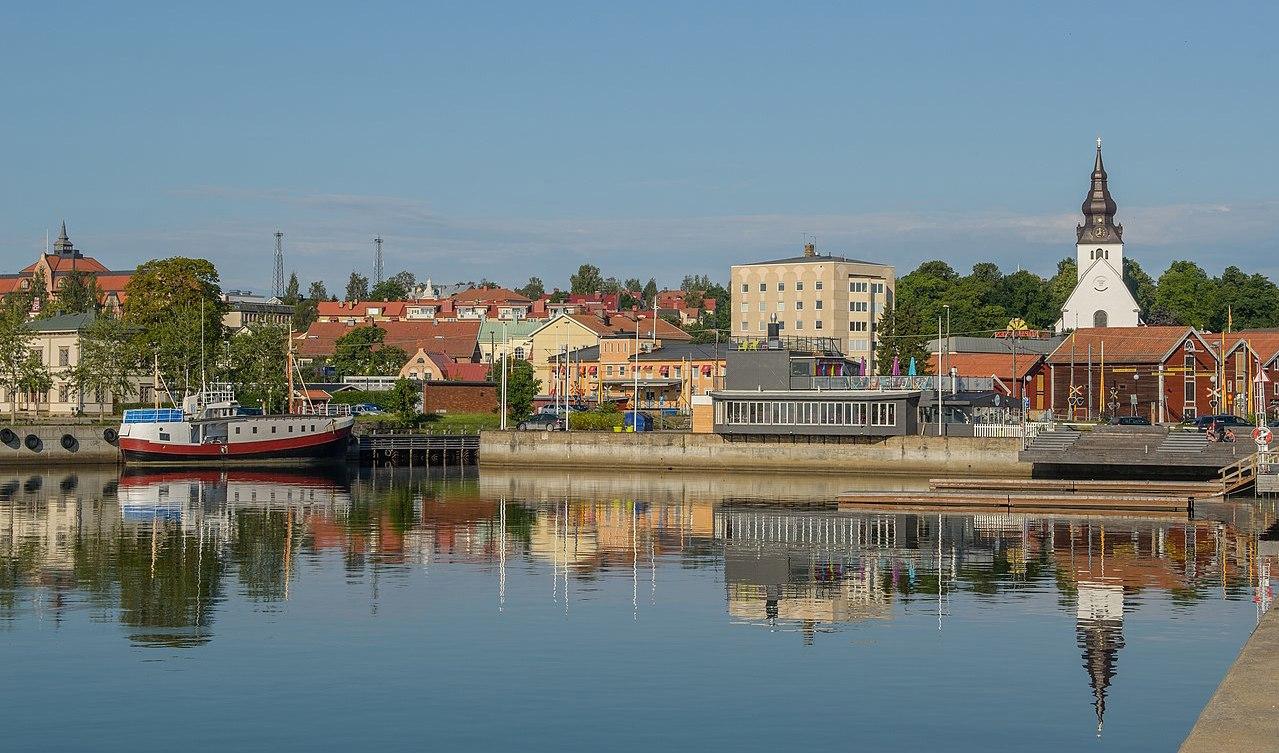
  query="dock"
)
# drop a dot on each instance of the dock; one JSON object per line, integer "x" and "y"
{"x": 1243, "y": 714}
{"x": 1063, "y": 496}
{"x": 411, "y": 448}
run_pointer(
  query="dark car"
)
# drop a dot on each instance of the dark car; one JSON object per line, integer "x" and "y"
{"x": 1130, "y": 421}
{"x": 1223, "y": 421}
{"x": 541, "y": 422}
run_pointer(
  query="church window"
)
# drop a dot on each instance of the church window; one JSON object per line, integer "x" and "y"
{"x": 1100, "y": 318}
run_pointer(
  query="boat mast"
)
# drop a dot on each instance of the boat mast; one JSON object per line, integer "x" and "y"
{"x": 289, "y": 368}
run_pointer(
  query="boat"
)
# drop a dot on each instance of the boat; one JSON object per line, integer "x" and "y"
{"x": 212, "y": 427}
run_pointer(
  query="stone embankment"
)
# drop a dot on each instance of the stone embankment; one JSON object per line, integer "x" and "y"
{"x": 56, "y": 444}
{"x": 1243, "y": 714}
{"x": 968, "y": 456}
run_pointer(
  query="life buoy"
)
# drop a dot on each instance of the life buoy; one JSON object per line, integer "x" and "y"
{"x": 222, "y": 449}
{"x": 1262, "y": 435}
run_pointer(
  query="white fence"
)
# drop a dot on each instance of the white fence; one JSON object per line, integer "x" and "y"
{"x": 1025, "y": 431}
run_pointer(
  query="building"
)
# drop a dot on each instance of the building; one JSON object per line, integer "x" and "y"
{"x": 244, "y": 309}
{"x": 571, "y": 333}
{"x": 1249, "y": 371}
{"x": 814, "y": 295}
{"x": 807, "y": 387}
{"x": 1166, "y": 374}
{"x": 457, "y": 340}
{"x": 511, "y": 337}
{"x": 425, "y": 366}
{"x": 669, "y": 375}
{"x": 1101, "y": 297}
{"x": 491, "y": 303}
{"x": 459, "y": 397}
{"x": 65, "y": 259}
{"x": 56, "y": 341}
{"x": 1013, "y": 375}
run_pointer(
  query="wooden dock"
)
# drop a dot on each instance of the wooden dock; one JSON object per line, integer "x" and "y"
{"x": 1197, "y": 489}
{"x": 409, "y": 449}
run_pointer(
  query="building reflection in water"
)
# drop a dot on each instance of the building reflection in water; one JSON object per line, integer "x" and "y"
{"x": 164, "y": 550}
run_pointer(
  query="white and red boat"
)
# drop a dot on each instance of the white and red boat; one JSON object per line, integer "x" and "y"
{"x": 212, "y": 427}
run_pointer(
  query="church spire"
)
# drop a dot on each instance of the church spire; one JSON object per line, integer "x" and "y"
{"x": 1099, "y": 209}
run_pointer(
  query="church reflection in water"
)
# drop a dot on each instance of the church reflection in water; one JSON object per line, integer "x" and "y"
{"x": 164, "y": 550}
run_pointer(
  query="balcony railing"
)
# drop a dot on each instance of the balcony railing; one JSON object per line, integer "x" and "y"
{"x": 827, "y": 346}
{"x": 922, "y": 383}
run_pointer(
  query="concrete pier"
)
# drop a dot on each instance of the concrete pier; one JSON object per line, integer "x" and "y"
{"x": 659, "y": 450}
{"x": 1243, "y": 714}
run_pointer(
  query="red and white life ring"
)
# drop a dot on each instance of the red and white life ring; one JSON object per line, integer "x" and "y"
{"x": 222, "y": 449}
{"x": 1262, "y": 435}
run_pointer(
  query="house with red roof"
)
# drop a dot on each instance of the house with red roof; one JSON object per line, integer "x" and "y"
{"x": 456, "y": 339}
{"x": 1168, "y": 374}
{"x": 1249, "y": 371}
{"x": 55, "y": 267}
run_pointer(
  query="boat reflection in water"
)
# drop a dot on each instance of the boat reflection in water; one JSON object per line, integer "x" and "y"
{"x": 167, "y": 551}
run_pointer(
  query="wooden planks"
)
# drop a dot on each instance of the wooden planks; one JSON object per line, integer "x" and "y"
{"x": 1006, "y": 501}
{"x": 1137, "y": 488}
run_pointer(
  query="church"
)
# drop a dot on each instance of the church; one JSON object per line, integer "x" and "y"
{"x": 64, "y": 259}
{"x": 1100, "y": 297}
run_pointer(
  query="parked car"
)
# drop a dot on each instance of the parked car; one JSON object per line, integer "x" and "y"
{"x": 1223, "y": 421}
{"x": 541, "y": 422}
{"x": 1130, "y": 421}
{"x": 366, "y": 409}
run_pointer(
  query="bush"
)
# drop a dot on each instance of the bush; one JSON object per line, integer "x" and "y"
{"x": 595, "y": 420}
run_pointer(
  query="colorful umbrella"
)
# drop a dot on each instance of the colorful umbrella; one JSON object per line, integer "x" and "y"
{"x": 910, "y": 370}
{"x": 897, "y": 366}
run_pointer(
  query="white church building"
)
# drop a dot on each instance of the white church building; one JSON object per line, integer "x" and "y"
{"x": 1100, "y": 297}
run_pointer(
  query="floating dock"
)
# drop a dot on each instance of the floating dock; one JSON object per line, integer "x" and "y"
{"x": 1063, "y": 496}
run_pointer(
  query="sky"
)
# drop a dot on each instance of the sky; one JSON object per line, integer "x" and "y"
{"x": 505, "y": 140}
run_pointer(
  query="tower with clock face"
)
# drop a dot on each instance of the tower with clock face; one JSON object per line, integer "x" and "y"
{"x": 1100, "y": 297}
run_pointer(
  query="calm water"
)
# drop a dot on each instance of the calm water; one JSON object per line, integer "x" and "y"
{"x": 179, "y": 611}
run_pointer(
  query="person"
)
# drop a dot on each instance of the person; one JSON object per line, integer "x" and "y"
{"x": 1211, "y": 431}
{"x": 1230, "y": 435}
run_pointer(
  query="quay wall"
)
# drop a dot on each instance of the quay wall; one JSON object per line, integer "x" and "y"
{"x": 87, "y": 445}
{"x": 969, "y": 456}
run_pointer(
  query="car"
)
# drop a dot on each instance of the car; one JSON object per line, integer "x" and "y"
{"x": 1130, "y": 421}
{"x": 1222, "y": 421}
{"x": 366, "y": 409}
{"x": 541, "y": 422}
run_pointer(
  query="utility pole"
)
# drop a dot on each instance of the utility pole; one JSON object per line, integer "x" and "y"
{"x": 377, "y": 260}
{"x": 278, "y": 279}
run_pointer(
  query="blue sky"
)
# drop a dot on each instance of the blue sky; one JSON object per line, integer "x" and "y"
{"x": 505, "y": 140}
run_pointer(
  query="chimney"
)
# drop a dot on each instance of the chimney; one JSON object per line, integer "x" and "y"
{"x": 810, "y": 249}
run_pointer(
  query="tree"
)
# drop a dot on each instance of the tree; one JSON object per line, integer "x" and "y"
{"x": 1025, "y": 294}
{"x": 317, "y": 291}
{"x": 610, "y": 286}
{"x": 650, "y": 292}
{"x": 106, "y": 361}
{"x": 256, "y": 363}
{"x": 361, "y": 352}
{"x": 586, "y": 281}
{"x": 357, "y": 287}
{"x": 1061, "y": 286}
{"x": 397, "y": 287}
{"x": 79, "y": 293}
{"x": 533, "y": 290}
{"x": 1139, "y": 284}
{"x": 403, "y": 400}
{"x": 633, "y": 285}
{"x": 170, "y": 304}
{"x": 902, "y": 334}
{"x": 696, "y": 284}
{"x": 521, "y": 387}
{"x": 292, "y": 291}
{"x": 15, "y": 341}
{"x": 1186, "y": 294}
{"x": 34, "y": 379}
{"x": 559, "y": 296}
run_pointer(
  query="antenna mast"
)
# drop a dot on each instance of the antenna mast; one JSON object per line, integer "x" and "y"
{"x": 279, "y": 264}
{"x": 377, "y": 260}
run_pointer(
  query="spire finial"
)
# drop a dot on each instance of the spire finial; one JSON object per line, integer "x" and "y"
{"x": 1099, "y": 143}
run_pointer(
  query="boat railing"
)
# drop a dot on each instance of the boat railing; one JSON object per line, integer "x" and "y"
{"x": 152, "y": 415}
{"x": 324, "y": 410}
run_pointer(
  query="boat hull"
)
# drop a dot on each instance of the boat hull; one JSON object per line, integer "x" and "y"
{"x": 316, "y": 449}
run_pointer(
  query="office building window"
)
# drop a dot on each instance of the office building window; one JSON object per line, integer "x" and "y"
{"x": 817, "y": 324}
{"x": 817, "y": 285}
{"x": 763, "y": 288}
{"x": 857, "y": 326}
{"x": 799, "y": 286}
{"x": 746, "y": 327}
{"x": 781, "y": 287}
{"x": 799, "y": 306}
{"x": 64, "y": 356}
{"x": 745, "y": 288}
{"x": 746, "y": 306}
{"x": 781, "y": 306}
{"x": 799, "y": 324}
{"x": 817, "y": 304}
{"x": 763, "y": 307}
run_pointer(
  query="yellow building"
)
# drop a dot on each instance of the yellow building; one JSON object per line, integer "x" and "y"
{"x": 814, "y": 295}
{"x": 669, "y": 375}
{"x": 574, "y": 334}
{"x": 56, "y": 341}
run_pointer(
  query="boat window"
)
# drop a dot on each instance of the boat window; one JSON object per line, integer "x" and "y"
{"x": 164, "y": 436}
{"x": 255, "y": 430}
{"x": 272, "y": 429}
{"x": 290, "y": 428}
{"x": 237, "y": 430}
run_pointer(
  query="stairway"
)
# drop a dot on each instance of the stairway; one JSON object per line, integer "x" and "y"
{"x": 1053, "y": 441}
{"x": 1184, "y": 442}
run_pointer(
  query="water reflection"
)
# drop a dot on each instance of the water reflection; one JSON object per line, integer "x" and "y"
{"x": 164, "y": 552}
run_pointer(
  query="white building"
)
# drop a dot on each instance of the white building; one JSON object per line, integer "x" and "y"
{"x": 1100, "y": 297}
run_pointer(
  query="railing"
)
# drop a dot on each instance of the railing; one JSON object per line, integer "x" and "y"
{"x": 1003, "y": 431}
{"x": 330, "y": 409}
{"x": 822, "y": 345}
{"x": 1239, "y": 475}
{"x": 920, "y": 383}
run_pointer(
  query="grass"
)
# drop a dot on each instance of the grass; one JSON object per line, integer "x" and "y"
{"x": 455, "y": 423}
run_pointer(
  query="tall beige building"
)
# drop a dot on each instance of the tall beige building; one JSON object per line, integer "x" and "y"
{"x": 814, "y": 295}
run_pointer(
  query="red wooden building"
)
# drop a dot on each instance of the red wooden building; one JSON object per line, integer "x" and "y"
{"x": 1246, "y": 355}
{"x": 1166, "y": 374}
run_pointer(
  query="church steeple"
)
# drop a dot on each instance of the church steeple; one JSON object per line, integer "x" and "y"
{"x": 1099, "y": 209}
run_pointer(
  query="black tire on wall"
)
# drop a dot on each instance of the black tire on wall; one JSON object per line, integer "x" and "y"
{"x": 111, "y": 435}
{"x": 69, "y": 443}
{"x": 33, "y": 443}
{"x": 8, "y": 436}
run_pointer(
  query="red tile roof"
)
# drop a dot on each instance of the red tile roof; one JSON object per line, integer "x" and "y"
{"x": 489, "y": 295}
{"x": 988, "y": 364}
{"x": 359, "y": 309}
{"x": 624, "y": 324}
{"x": 455, "y": 339}
{"x": 1123, "y": 344}
{"x": 66, "y": 264}
{"x": 1264, "y": 344}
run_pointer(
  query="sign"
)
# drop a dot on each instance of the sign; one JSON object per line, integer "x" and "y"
{"x": 1025, "y": 403}
{"x": 1129, "y": 370}
{"x": 1261, "y": 377}
{"x": 1262, "y": 435}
